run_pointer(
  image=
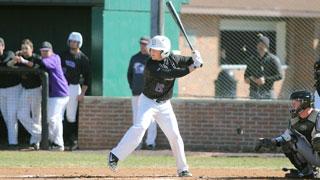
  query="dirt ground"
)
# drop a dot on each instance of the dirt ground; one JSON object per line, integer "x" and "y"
{"x": 138, "y": 173}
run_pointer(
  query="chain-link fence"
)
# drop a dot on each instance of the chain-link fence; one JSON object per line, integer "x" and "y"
{"x": 266, "y": 52}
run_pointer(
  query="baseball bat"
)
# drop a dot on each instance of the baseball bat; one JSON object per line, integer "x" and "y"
{"x": 177, "y": 19}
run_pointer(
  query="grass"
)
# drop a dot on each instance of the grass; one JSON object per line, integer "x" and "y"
{"x": 98, "y": 159}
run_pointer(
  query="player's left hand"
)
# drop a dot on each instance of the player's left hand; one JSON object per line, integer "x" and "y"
{"x": 198, "y": 62}
{"x": 264, "y": 142}
{"x": 80, "y": 98}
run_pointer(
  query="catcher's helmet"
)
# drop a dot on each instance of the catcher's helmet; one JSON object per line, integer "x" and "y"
{"x": 306, "y": 99}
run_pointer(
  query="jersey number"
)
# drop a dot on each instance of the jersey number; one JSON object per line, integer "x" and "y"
{"x": 159, "y": 88}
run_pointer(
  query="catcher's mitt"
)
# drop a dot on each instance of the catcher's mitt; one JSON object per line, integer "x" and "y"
{"x": 264, "y": 142}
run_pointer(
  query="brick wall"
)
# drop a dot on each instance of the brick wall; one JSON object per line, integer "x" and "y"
{"x": 205, "y": 124}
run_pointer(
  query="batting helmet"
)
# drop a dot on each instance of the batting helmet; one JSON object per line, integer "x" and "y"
{"x": 161, "y": 43}
{"x": 306, "y": 99}
{"x": 75, "y": 36}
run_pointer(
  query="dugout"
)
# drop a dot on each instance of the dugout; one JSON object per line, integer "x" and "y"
{"x": 53, "y": 20}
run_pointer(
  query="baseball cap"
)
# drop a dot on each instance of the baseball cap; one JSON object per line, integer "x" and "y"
{"x": 144, "y": 40}
{"x": 264, "y": 39}
{"x": 46, "y": 46}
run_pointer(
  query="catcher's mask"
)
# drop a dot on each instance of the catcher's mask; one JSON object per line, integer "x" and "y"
{"x": 306, "y": 101}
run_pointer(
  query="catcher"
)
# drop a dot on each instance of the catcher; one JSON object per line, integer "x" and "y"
{"x": 301, "y": 141}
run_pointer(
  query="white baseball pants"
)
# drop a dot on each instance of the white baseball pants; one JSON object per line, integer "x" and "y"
{"x": 30, "y": 101}
{"x": 316, "y": 100}
{"x": 165, "y": 117}
{"x": 56, "y": 109}
{"x": 152, "y": 129}
{"x": 72, "y": 106}
{"x": 8, "y": 105}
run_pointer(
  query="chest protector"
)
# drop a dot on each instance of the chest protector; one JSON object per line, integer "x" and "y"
{"x": 306, "y": 126}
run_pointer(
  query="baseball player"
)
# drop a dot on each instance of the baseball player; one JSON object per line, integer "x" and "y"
{"x": 10, "y": 89}
{"x": 135, "y": 80}
{"x": 29, "y": 108}
{"x": 58, "y": 94}
{"x": 154, "y": 103}
{"x": 301, "y": 141}
{"x": 76, "y": 66}
{"x": 316, "y": 69}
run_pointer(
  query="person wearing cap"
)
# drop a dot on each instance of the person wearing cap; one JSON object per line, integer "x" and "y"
{"x": 10, "y": 90}
{"x": 263, "y": 69}
{"x": 58, "y": 93}
{"x": 76, "y": 68}
{"x": 136, "y": 81}
{"x": 30, "y": 99}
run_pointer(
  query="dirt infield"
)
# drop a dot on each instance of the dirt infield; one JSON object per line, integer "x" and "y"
{"x": 138, "y": 173}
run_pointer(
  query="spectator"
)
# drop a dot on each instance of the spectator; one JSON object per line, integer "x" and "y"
{"x": 316, "y": 68}
{"x": 263, "y": 69}
{"x": 136, "y": 83}
{"x": 10, "y": 89}
{"x": 29, "y": 108}
{"x": 58, "y": 94}
{"x": 75, "y": 66}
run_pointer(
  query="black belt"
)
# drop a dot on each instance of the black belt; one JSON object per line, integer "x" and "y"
{"x": 159, "y": 101}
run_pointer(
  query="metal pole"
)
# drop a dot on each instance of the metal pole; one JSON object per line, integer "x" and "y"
{"x": 44, "y": 109}
{"x": 157, "y": 18}
{"x": 160, "y": 17}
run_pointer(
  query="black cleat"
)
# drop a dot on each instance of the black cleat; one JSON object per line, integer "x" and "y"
{"x": 113, "y": 162}
{"x": 294, "y": 173}
{"x": 35, "y": 146}
{"x": 74, "y": 146}
{"x": 185, "y": 173}
{"x": 151, "y": 147}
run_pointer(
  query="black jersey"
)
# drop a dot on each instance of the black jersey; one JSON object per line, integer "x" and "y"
{"x": 8, "y": 79}
{"x": 74, "y": 66}
{"x": 31, "y": 80}
{"x": 159, "y": 76}
{"x": 268, "y": 66}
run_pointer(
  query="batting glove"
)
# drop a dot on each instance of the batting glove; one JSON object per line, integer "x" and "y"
{"x": 197, "y": 60}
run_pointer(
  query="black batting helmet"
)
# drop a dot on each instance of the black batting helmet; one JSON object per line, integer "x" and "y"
{"x": 305, "y": 97}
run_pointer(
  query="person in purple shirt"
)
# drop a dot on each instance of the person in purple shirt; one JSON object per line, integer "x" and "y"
{"x": 58, "y": 93}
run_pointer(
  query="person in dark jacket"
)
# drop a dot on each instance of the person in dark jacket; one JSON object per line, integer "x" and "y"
{"x": 10, "y": 90}
{"x": 263, "y": 69}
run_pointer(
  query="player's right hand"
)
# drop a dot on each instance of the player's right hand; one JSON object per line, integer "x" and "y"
{"x": 196, "y": 57}
{"x": 260, "y": 81}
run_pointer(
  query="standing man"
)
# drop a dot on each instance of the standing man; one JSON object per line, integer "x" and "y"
{"x": 29, "y": 108}
{"x": 263, "y": 69}
{"x": 76, "y": 66}
{"x": 316, "y": 68}
{"x": 58, "y": 94}
{"x": 136, "y": 82}
{"x": 154, "y": 103}
{"x": 10, "y": 89}
{"x": 301, "y": 141}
